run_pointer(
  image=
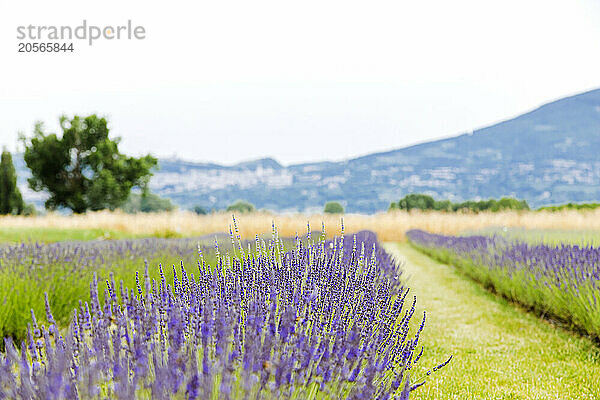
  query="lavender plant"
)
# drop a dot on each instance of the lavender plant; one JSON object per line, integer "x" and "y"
{"x": 562, "y": 281}
{"x": 320, "y": 321}
{"x": 64, "y": 270}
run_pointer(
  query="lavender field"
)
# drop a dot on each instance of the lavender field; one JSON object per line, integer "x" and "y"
{"x": 301, "y": 319}
{"x": 560, "y": 281}
{"x": 65, "y": 269}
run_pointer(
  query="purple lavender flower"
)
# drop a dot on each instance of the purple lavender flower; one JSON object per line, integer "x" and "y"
{"x": 263, "y": 324}
{"x": 561, "y": 280}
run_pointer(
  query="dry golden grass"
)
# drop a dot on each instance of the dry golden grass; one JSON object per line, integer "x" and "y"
{"x": 390, "y": 226}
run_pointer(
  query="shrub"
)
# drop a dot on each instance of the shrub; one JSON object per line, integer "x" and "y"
{"x": 147, "y": 202}
{"x": 333, "y": 207}
{"x": 424, "y": 202}
{"x": 416, "y": 201}
{"x": 508, "y": 203}
{"x": 241, "y": 206}
{"x": 571, "y": 206}
{"x": 29, "y": 209}
{"x": 199, "y": 210}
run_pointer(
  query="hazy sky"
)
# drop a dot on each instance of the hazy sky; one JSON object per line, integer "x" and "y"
{"x": 227, "y": 81}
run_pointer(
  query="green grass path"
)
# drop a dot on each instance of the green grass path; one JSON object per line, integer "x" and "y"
{"x": 500, "y": 351}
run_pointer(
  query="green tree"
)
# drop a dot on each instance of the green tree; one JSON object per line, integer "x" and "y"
{"x": 333, "y": 207}
{"x": 11, "y": 201}
{"x": 241, "y": 206}
{"x": 151, "y": 202}
{"x": 509, "y": 203}
{"x": 571, "y": 206}
{"x": 425, "y": 202}
{"x": 199, "y": 210}
{"x": 443, "y": 205}
{"x": 83, "y": 169}
{"x": 146, "y": 202}
{"x": 416, "y": 201}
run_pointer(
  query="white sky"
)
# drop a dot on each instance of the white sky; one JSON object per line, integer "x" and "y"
{"x": 227, "y": 81}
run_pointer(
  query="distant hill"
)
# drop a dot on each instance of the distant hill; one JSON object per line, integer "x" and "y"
{"x": 546, "y": 156}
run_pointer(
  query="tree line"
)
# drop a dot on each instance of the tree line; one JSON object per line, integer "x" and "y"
{"x": 571, "y": 206}
{"x": 425, "y": 202}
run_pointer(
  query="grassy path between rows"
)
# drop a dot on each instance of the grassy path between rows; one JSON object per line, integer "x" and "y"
{"x": 500, "y": 351}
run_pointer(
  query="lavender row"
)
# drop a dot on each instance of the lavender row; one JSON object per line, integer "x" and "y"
{"x": 64, "y": 270}
{"x": 320, "y": 321}
{"x": 559, "y": 280}
{"x": 93, "y": 253}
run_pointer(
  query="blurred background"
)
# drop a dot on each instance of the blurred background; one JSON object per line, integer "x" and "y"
{"x": 274, "y": 103}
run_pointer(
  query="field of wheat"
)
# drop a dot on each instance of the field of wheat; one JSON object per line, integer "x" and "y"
{"x": 390, "y": 226}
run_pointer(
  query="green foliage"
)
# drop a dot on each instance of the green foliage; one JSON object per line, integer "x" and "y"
{"x": 333, "y": 207}
{"x": 536, "y": 352}
{"x": 67, "y": 281}
{"x": 443, "y": 205}
{"x": 199, "y": 210}
{"x": 508, "y": 203}
{"x": 29, "y": 209}
{"x": 424, "y": 202}
{"x": 11, "y": 201}
{"x": 241, "y": 206}
{"x": 571, "y": 206}
{"x": 146, "y": 202}
{"x": 83, "y": 170}
{"x": 416, "y": 201}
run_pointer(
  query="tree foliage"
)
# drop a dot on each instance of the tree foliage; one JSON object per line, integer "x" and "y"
{"x": 199, "y": 210}
{"x": 146, "y": 202}
{"x": 11, "y": 201}
{"x": 417, "y": 201}
{"x": 241, "y": 206}
{"x": 571, "y": 206}
{"x": 83, "y": 169}
{"x": 333, "y": 207}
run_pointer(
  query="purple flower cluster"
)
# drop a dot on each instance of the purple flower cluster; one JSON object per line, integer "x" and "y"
{"x": 93, "y": 253}
{"x": 367, "y": 241}
{"x": 27, "y": 270}
{"x": 321, "y": 320}
{"x": 562, "y": 280}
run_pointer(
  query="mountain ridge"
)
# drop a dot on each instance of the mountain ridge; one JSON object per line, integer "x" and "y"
{"x": 548, "y": 155}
